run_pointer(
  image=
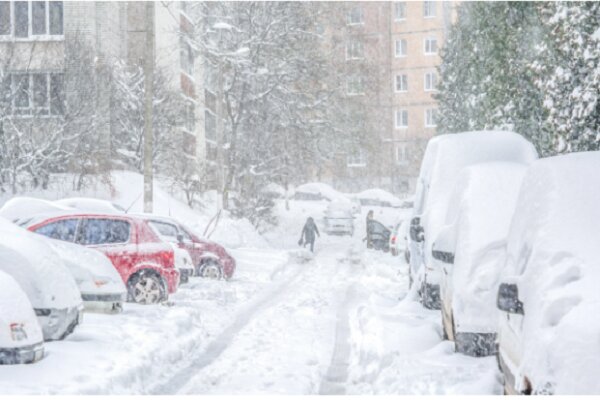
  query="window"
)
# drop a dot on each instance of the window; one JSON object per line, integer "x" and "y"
{"x": 210, "y": 126}
{"x": 430, "y": 46}
{"x": 431, "y": 118}
{"x": 401, "y": 154}
{"x": 402, "y": 83}
{"x": 38, "y": 93}
{"x": 399, "y": 10}
{"x": 61, "y": 230}
{"x": 186, "y": 57}
{"x": 4, "y": 18}
{"x": 30, "y": 19}
{"x": 429, "y": 9}
{"x": 104, "y": 231}
{"x": 168, "y": 231}
{"x": 430, "y": 81}
{"x": 354, "y": 86}
{"x": 401, "y": 119}
{"x": 354, "y": 50}
{"x": 190, "y": 117}
{"x": 355, "y": 16}
{"x": 401, "y": 48}
{"x": 357, "y": 159}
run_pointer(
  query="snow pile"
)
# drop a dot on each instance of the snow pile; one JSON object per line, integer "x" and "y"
{"x": 479, "y": 214}
{"x": 553, "y": 248}
{"x": 378, "y": 197}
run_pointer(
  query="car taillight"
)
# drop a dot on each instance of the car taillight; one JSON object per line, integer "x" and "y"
{"x": 393, "y": 239}
{"x": 168, "y": 258}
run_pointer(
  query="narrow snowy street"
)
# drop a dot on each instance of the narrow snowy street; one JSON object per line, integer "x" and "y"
{"x": 341, "y": 322}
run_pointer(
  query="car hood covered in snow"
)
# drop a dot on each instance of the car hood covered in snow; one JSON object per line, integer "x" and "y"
{"x": 18, "y": 324}
{"x": 479, "y": 214}
{"x": 92, "y": 270}
{"x": 553, "y": 250}
{"x": 40, "y": 272}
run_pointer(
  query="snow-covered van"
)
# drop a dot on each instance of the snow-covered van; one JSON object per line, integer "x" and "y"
{"x": 101, "y": 286}
{"x": 469, "y": 250}
{"x": 549, "y": 295}
{"x": 42, "y": 275}
{"x": 441, "y": 165}
{"x": 21, "y": 338}
{"x": 338, "y": 219}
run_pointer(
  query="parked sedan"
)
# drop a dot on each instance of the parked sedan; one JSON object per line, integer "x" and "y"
{"x": 42, "y": 275}
{"x": 549, "y": 330}
{"x": 21, "y": 337}
{"x": 101, "y": 287}
{"x": 210, "y": 259}
{"x": 145, "y": 262}
{"x": 469, "y": 249}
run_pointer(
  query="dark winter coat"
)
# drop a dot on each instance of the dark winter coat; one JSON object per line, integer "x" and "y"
{"x": 309, "y": 230}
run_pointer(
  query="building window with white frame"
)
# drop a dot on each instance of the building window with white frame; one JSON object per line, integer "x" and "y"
{"x": 190, "y": 117}
{"x": 429, "y": 9}
{"x": 430, "y": 81}
{"x": 355, "y": 16}
{"x": 38, "y": 93}
{"x": 401, "y": 47}
{"x": 354, "y": 86}
{"x": 354, "y": 50}
{"x": 399, "y": 10}
{"x": 356, "y": 158}
{"x": 31, "y": 19}
{"x": 401, "y": 119}
{"x": 431, "y": 117}
{"x": 401, "y": 83}
{"x": 431, "y": 46}
{"x": 401, "y": 154}
{"x": 186, "y": 54}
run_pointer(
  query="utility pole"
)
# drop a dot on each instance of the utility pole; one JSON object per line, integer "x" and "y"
{"x": 148, "y": 100}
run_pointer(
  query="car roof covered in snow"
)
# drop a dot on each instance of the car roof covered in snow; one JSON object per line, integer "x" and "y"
{"x": 321, "y": 188}
{"x": 379, "y": 194}
{"x": 553, "y": 248}
{"x": 90, "y": 205}
{"x": 40, "y": 272}
{"x": 19, "y": 208}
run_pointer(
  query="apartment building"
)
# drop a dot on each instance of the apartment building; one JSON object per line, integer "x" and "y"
{"x": 37, "y": 41}
{"x": 401, "y": 42}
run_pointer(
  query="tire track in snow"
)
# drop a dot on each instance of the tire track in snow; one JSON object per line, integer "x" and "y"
{"x": 224, "y": 339}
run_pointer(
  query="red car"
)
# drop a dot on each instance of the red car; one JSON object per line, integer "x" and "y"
{"x": 210, "y": 259}
{"x": 145, "y": 262}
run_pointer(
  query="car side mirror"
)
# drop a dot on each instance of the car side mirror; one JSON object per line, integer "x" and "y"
{"x": 443, "y": 245}
{"x": 179, "y": 238}
{"x": 508, "y": 299}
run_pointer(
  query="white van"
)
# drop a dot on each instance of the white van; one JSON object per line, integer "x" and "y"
{"x": 448, "y": 155}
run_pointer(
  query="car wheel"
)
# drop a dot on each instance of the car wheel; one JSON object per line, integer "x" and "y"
{"x": 211, "y": 269}
{"x": 146, "y": 288}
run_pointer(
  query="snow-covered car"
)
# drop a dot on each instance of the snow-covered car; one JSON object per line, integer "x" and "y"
{"x": 42, "y": 275}
{"x": 316, "y": 191}
{"x": 101, "y": 286}
{"x": 445, "y": 157}
{"x": 378, "y": 197}
{"x": 549, "y": 297}
{"x": 210, "y": 260}
{"x": 22, "y": 208}
{"x": 398, "y": 239}
{"x": 21, "y": 338}
{"x": 338, "y": 219}
{"x": 469, "y": 250}
{"x": 90, "y": 205}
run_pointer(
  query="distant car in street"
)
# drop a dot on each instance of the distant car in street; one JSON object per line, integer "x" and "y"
{"x": 210, "y": 259}
{"x": 469, "y": 250}
{"x": 101, "y": 286}
{"x": 40, "y": 272}
{"x": 21, "y": 337}
{"x": 378, "y": 198}
{"x": 379, "y": 236}
{"x": 398, "y": 239}
{"x": 338, "y": 219}
{"x": 145, "y": 262}
{"x": 549, "y": 297}
{"x": 316, "y": 191}
{"x": 445, "y": 156}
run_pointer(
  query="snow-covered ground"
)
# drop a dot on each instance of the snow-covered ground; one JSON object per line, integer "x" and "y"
{"x": 340, "y": 322}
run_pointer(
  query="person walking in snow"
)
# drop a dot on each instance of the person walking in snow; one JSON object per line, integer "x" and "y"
{"x": 308, "y": 234}
{"x": 369, "y": 229}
